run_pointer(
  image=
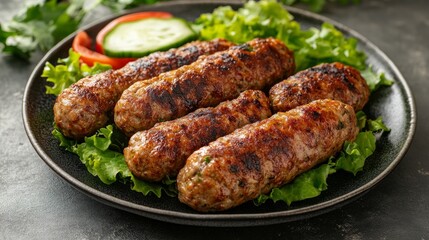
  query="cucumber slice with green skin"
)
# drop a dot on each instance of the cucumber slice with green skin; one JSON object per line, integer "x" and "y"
{"x": 142, "y": 37}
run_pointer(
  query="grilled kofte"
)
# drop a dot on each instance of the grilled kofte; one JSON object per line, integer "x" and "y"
{"x": 210, "y": 80}
{"x": 333, "y": 81}
{"x": 162, "y": 150}
{"x": 258, "y": 157}
{"x": 83, "y": 108}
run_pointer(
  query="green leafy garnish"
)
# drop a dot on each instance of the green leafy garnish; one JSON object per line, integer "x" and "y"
{"x": 109, "y": 165}
{"x": 68, "y": 71}
{"x": 327, "y": 45}
{"x": 268, "y": 18}
{"x": 377, "y": 125}
{"x": 40, "y": 26}
{"x": 308, "y": 185}
{"x": 375, "y": 81}
{"x": 361, "y": 119}
{"x": 43, "y": 25}
{"x": 350, "y": 159}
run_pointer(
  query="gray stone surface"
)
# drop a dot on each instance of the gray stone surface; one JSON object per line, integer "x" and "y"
{"x": 37, "y": 204}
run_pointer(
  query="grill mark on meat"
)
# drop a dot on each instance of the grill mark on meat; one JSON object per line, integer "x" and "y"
{"x": 335, "y": 73}
{"x": 164, "y": 99}
{"x": 234, "y": 168}
{"x": 251, "y": 162}
{"x": 245, "y": 47}
{"x": 191, "y": 49}
{"x": 181, "y": 90}
{"x": 347, "y": 81}
{"x": 315, "y": 115}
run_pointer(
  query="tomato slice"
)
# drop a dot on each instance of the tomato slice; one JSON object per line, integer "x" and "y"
{"x": 126, "y": 18}
{"x": 82, "y": 44}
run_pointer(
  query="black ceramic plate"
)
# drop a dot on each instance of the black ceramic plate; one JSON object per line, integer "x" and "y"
{"x": 395, "y": 104}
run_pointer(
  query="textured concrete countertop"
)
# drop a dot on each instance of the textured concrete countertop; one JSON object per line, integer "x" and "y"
{"x": 35, "y": 203}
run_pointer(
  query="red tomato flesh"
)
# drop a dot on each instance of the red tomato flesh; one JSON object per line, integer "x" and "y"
{"x": 82, "y": 44}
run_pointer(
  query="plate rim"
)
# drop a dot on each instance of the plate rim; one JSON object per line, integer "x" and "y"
{"x": 216, "y": 219}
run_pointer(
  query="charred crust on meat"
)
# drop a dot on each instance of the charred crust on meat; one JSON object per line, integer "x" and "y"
{"x": 278, "y": 151}
{"x": 184, "y": 127}
{"x": 331, "y": 71}
{"x": 245, "y": 47}
{"x": 257, "y": 103}
{"x": 234, "y": 168}
{"x": 315, "y": 115}
{"x": 253, "y": 119}
{"x": 182, "y": 61}
{"x": 347, "y": 82}
{"x": 227, "y": 58}
{"x": 179, "y": 88}
{"x": 242, "y": 183}
{"x": 171, "y": 55}
{"x": 231, "y": 118}
{"x": 176, "y": 89}
{"x": 243, "y": 56}
{"x": 166, "y": 66}
{"x": 252, "y": 162}
{"x": 158, "y": 136}
{"x": 143, "y": 65}
{"x": 164, "y": 98}
{"x": 213, "y": 133}
{"x": 192, "y": 49}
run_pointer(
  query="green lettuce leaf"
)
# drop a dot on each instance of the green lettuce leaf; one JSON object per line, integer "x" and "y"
{"x": 308, "y": 185}
{"x": 328, "y": 44}
{"x": 40, "y": 26}
{"x": 268, "y": 18}
{"x": 352, "y": 157}
{"x": 255, "y": 19}
{"x": 377, "y": 125}
{"x": 68, "y": 71}
{"x": 109, "y": 165}
{"x": 361, "y": 119}
{"x": 375, "y": 81}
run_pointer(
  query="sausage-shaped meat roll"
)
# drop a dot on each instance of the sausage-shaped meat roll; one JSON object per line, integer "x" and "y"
{"x": 334, "y": 81}
{"x": 258, "y": 157}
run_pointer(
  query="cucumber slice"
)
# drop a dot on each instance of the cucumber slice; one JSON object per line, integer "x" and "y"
{"x": 142, "y": 37}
